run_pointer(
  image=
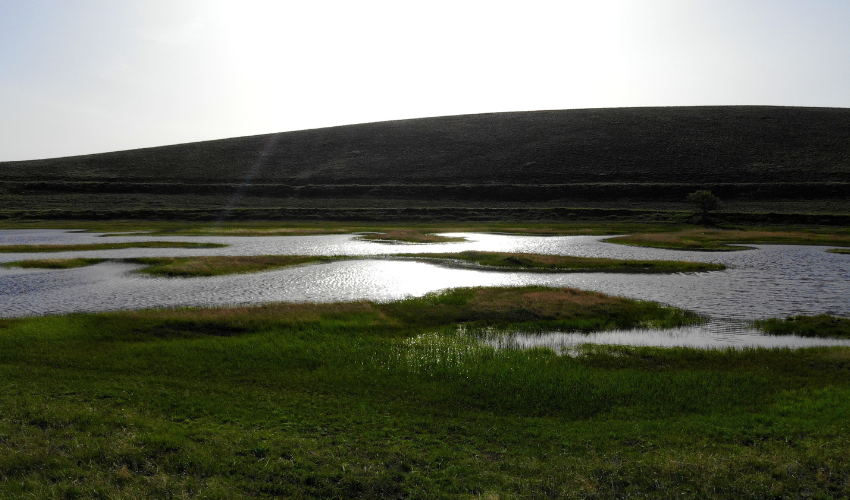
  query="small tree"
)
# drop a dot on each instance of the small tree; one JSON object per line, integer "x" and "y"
{"x": 705, "y": 201}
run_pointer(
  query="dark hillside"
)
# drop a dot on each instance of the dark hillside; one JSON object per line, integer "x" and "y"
{"x": 568, "y": 158}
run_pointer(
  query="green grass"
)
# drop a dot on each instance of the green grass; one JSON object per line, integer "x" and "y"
{"x": 366, "y": 400}
{"x": 839, "y": 250}
{"x": 54, "y": 263}
{"x": 105, "y": 246}
{"x": 821, "y": 325}
{"x": 558, "y": 263}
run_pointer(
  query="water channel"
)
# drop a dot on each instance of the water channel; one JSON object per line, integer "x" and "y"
{"x": 769, "y": 281}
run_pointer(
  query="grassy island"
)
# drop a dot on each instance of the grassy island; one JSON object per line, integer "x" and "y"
{"x": 719, "y": 240}
{"x": 198, "y": 266}
{"x": 561, "y": 263}
{"x": 410, "y": 236}
{"x": 187, "y": 267}
{"x": 369, "y": 400}
{"x": 822, "y": 325}
{"x": 54, "y": 263}
{"x": 105, "y": 246}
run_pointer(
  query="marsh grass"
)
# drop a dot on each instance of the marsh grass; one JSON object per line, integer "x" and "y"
{"x": 54, "y": 263}
{"x": 821, "y": 325}
{"x": 559, "y": 263}
{"x": 371, "y": 400}
{"x": 105, "y": 246}
{"x": 720, "y": 240}
{"x": 407, "y": 235}
{"x": 200, "y": 266}
{"x": 220, "y": 265}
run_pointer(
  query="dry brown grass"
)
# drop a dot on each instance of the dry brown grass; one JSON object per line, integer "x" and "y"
{"x": 553, "y": 303}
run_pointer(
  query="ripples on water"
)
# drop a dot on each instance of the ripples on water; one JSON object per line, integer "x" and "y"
{"x": 771, "y": 281}
{"x": 716, "y": 334}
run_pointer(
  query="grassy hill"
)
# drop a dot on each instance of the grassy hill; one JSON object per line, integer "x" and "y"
{"x": 758, "y": 159}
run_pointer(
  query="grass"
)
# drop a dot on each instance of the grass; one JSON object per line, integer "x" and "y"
{"x": 821, "y": 325}
{"x": 220, "y": 265}
{"x": 368, "y": 400}
{"x": 198, "y": 266}
{"x": 410, "y": 236}
{"x": 104, "y": 246}
{"x": 720, "y": 240}
{"x": 54, "y": 263}
{"x": 559, "y": 263}
{"x": 839, "y": 250}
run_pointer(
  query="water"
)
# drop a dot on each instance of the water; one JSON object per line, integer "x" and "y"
{"x": 716, "y": 334}
{"x": 771, "y": 281}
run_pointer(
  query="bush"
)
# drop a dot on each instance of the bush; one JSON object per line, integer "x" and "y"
{"x": 705, "y": 201}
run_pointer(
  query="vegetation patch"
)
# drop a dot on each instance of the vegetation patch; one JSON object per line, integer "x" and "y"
{"x": 187, "y": 267}
{"x": 410, "y": 236}
{"x": 54, "y": 263}
{"x": 721, "y": 240}
{"x": 839, "y": 250}
{"x": 371, "y": 400}
{"x": 569, "y": 264}
{"x": 821, "y": 325}
{"x": 105, "y": 246}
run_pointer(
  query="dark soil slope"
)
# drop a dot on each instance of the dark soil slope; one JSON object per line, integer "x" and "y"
{"x": 748, "y": 153}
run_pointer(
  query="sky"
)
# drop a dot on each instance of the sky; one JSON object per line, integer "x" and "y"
{"x": 87, "y": 76}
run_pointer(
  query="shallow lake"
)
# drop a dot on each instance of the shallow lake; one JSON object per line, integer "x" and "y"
{"x": 770, "y": 281}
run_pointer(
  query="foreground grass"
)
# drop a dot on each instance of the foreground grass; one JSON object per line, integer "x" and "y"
{"x": 721, "y": 240}
{"x": 365, "y": 400}
{"x": 559, "y": 263}
{"x": 821, "y": 325}
{"x": 105, "y": 246}
{"x": 221, "y": 265}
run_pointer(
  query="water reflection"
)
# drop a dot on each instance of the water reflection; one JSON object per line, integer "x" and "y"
{"x": 716, "y": 334}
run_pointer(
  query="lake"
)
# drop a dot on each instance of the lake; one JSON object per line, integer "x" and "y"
{"x": 769, "y": 281}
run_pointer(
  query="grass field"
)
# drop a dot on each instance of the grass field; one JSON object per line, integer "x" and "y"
{"x": 365, "y": 400}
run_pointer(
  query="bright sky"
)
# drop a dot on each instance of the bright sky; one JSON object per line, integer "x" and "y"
{"x": 89, "y": 76}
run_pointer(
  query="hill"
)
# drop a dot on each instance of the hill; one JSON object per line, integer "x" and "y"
{"x": 756, "y": 158}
